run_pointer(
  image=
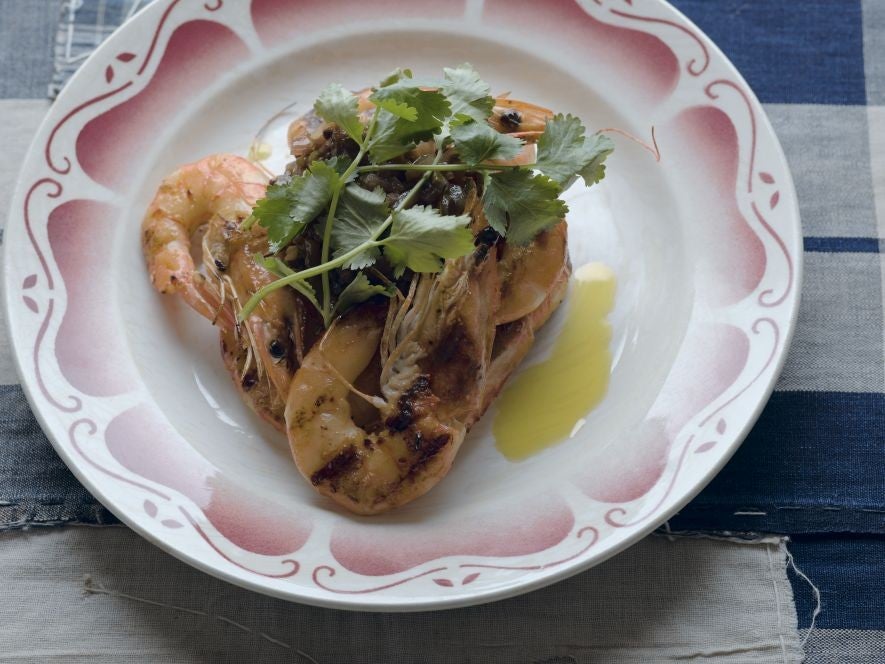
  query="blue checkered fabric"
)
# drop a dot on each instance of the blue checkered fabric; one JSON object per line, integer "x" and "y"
{"x": 84, "y": 25}
{"x": 814, "y": 466}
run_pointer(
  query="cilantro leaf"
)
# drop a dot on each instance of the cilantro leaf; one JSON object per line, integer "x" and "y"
{"x": 399, "y": 108}
{"x": 273, "y": 212}
{"x": 357, "y": 291}
{"x": 560, "y": 148}
{"x": 468, "y": 94}
{"x": 477, "y": 141}
{"x": 389, "y": 140}
{"x": 338, "y": 105}
{"x": 394, "y": 92}
{"x": 313, "y": 196}
{"x": 519, "y": 204}
{"x": 431, "y": 108}
{"x": 340, "y": 163}
{"x": 396, "y": 75}
{"x": 421, "y": 237}
{"x": 288, "y": 208}
{"x": 596, "y": 149}
{"x": 564, "y": 151}
{"x": 359, "y": 216}
{"x": 394, "y": 134}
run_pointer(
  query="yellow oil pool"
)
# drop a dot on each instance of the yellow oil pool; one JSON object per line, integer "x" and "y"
{"x": 548, "y": 401}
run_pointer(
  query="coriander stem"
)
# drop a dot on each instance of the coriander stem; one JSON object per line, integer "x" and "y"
{"x": 420, "y": 183}
{"x": 280, "y": 269}
{"x": 308, "y": 295}
{"x": 440, "y": 167}
{"x": 327, "y": 240}
{"x": 333, "y": 207}
{"x": 303, "y": 275}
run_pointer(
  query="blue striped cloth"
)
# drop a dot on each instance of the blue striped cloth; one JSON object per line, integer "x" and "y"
{"x": 813, "y": 462}
{"x": 814, "y": 466}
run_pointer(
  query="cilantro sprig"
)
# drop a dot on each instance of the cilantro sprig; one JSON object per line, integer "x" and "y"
{"x": 438, "y": 245}
{"x": 520, "y": 201}
{"x": 358, "y": 227}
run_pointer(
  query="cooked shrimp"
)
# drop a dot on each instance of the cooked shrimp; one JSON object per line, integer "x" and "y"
{"x": 259, "y": 394}
{"x": 309, "y": 133}
{"x": 520, "y": 118}
{"x": 269, "y": 325}
{"x": 306, "y": 133}
{"x": 514, "y": 340}
{"x": 268, "y": 347}
{"x": 528, "y": 273}
{"x": 430, "y": 389}
{"x": 219, "y": 188}
{"x": 218, "y": 193}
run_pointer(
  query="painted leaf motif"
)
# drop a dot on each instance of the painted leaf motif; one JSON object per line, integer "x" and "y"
{"x": 150, "y": 508}
{"x": 31, "y": 304}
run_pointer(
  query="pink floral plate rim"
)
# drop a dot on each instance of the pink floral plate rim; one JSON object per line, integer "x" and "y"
{"x": 100, "y": 424}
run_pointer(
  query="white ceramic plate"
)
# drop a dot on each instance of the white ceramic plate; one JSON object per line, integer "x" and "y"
{"x": 130, "y": 388}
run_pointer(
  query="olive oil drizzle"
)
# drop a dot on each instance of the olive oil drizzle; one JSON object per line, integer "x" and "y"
{"x": 547, "y": 403}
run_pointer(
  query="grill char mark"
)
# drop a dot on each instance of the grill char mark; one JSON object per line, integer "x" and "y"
{"x": 341, "y": 463}
{"x": 404, "y": 416}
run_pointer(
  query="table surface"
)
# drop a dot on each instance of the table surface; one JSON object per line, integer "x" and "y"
{"x": 812, "y": 469}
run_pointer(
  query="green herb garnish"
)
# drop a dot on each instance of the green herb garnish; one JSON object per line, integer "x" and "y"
{"x": 357, "y": 291}
{"x": 359, "y": 227}
{"x": 520, "y": 204}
